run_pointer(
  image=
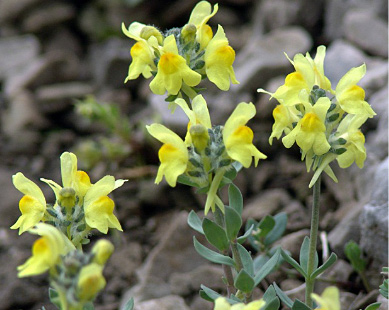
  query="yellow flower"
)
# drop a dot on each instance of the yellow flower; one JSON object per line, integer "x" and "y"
{"x": 90, "y": 282}
{"x": 238, "y": 138}
{"x": 284, "y": 117}
{"x": 102, "y": 251}
{"x": 32, "y": 205}
{"x": 142, "y": 61}
{"x": 98, "y": 207}
{"x": 329, "y": 299}
{"x": 222, "y": 304}
{"x": 219, "y": 57}
{"x": 310, "y": 131}
{"x": 173, "y": 154}
{"x": 199, "y": 17}
{"x": 138, "y": 32}
{"x": 173, "y": 70}
{"x": 350, "y": 96}
{"x": 46, "y": 251}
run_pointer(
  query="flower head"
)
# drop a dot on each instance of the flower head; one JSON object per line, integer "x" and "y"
{"x": 32, "y": 205}
{"x": 102, "y": 251}
{"x": 329, "y": 299}
{"x": 90, "y": 281}
{"x": 219, "y": 57}
{"x": 173, "y": 154}
{"x": 222, "y": 304}
{"x": 46, "y": 250}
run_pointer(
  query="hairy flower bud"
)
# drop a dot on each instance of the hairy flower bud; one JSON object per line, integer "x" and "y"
{"x": 200, "y": 136}
{"x": 102, "y": 251}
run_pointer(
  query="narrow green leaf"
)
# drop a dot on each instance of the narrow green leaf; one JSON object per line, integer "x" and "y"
{"x": 244, "y": 282}
{"x": 231, "y": 174}
{"x": 295, "y": 264}
{"x": 299, "y": 305}
{"x": 210, "y": 295}
{"x": 269, "y": 294}
{"x": 373, "y": 306}
{"x": 384, "y": 288}
{"x": 235, "y": 198}
{"x": 215, "y": 235}
{"x": 233, "y": 222}
{"x": 278, "y": 230}
{"x": 243, "y": 238}
{"x": 266, "y": 225}
{"x": 273, "y": 304}
{"x": 267, "y": 268}
{"x": 327, "y": 264}
{"x": 247, "y": 261}
{"x": 88, "y": 306}
{"x": 212, "y": 255}
{"x": 129, "y": 305}
{"x": 353, "y": 253}
{"x": 195, "y": 222}
{"x": 54, "y": 297}
{"x": 183, "y": 179}
{"x": 304, "y": 254}
{"x": 284, "y": 298}
{"x": 259, "y": 261}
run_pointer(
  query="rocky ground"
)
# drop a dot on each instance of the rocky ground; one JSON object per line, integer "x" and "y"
{"x": 53, "y": 52}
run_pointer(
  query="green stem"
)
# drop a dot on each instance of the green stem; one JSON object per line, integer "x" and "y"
{"x": 310, "y": 283}
{"x": 365, "y": 281}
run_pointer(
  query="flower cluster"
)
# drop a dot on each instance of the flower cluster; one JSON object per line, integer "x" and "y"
{"x": 222, "y": 304}
{"x": 207, "y": 152}
{"x": 325, "y": 123}
{"x": 79, "y": 207}
{"x": 179, "y": 58}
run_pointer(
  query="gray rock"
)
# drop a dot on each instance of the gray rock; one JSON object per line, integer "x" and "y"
{"x": 376, "y": 78}
{"x": 10, "y": 9}
{"x": 374, "y": 219}
{"x": 263, "y": 58}
{"x": 292, "y": 242}
{"x": 47, "y": 16}
{"x": 383, "y": 301}
{"x": 346, "y": 300}
{"x": 292, "y": 286}
{"x": 171, "y": 302}
{"x": 367, "y": 31}
{"x": 16, "y": 53}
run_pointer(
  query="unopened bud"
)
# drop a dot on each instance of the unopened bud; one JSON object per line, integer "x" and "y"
{"x": 200, "y": 136}
{"x": 149, "y": 31}
{"x": 102, "y": 251}
{"x": 188, "y": 32}
{"x": 67, "y": 197}
{"x": 90, "y": 282}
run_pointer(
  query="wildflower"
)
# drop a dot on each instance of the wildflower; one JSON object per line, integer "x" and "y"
{"x": 46, "y": 250}
{"x": 329, "y": 299}
{"x": 199, "y": 17}
{"x": 102, "y": 251}
{"x": 310, "y": 131}
{"x": 222, "y": 304}
{"x": 238, "y": 138}
{"x": 98, "y": 207}
{"x": 284, "y": 117}
{"x": 32, "y": 205}
{"x": 142, "y": 61}
{"x": 90, "y": 282}
{"x": 350, "y": 96}
{"x": 173, "y": 154}
{"x": 173, "y": 70}
{"x": 219, "y": 57}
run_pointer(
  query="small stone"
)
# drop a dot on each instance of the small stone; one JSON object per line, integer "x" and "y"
{"x": 171, "y": 302}
{"x": 11, "y": 9}
{"x": 346, "y": 300}
{"x": 292, "y": 242}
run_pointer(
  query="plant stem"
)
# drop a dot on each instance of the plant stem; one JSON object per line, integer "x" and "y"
{"x": 236, "y": 256}
{"x": 365, "y": 281}
{"x": 310, "y": 283}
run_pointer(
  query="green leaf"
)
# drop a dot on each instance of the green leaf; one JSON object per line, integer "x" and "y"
{"x": 235, "y": 198}
{"x": 259, "y": 261}
{"x": 54, "y": 297}
{"x": 353, "y": 253}
{"x": 267, "y": 268}
{"x": 212, "y": 256}
{"x": 215, "y": 235}
{"x": 243, "y": 238}
{"x": 284, "y": 298}
{"x": 233, "y": 222}
{"x": 304, "y": 254}
{"x": 184, "y": 179}
{"x": 327, "y": 264}
{"x": 195, "y": 222}
{"x": 295, "y": 264}
{"x": 384, "y": 288}
{"x": 244, "y": 282}
{"x": 299, "y": 305}
{"x": 265, "y": 226}
{"x": 373, "y": 306}
{"x": 278, "y": 230}
{"x": 88, "y": 306}
{"x": 129, "y": 305}
{"x": 210, "y": 295}
{"x": 273, "y": 304}
{"x": 247, "y": 261}
{"x": 269, "y": 294}
{"x": 231, "y": 174}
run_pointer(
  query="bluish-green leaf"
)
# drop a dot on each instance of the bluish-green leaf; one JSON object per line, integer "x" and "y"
{"x": 269, "y": 294}
{"x": 247, "y": 261}
{"x": 212, "y": 255}
{"x": 233, "y": 222}
{"x": 210, "y": 295}
{"x": 244, "y": 282}
{"x": 183, "y": 179}
{"x": 304, "y": 254}
{"x": 243, "y": 238}
{"x": 259, "y": 261}
{"x": 235, "y": 198}
{"x": 273, "y": 304}
{"x": 267, "y": 268}
{"x": 384, "y": 288}
{"x": 88, "y": 306}
{"x": 353, "y": 253}
{"x": 295, "y": 264}
{"x": 215, "y": 235}
{"x": 266, "y": 225}
{"x": 374, "y": 306}
{"x": 327, "y": 264}
{"x": 54, "y": 297}
{"x": 299, "y": 305}
{"x": 278, "y": 230}
{"x": 129, "y": 305}
{"x": 284, "y": 298}
{"x": 195, "y": 222}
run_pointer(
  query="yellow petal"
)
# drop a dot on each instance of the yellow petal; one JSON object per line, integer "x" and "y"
{"x": 28, "y": 187}
{"x": 68, "y": 168}
{"x": 90, "y": 282}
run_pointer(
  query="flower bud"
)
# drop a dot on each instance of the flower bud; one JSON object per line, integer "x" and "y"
{"x": 200, "y": 136}
{"x": 90, "y": 282}
{"x": 67, "y": 197}
{"x": 149, "y": 31}
{"x": 188, "y": 32}
{"x": 102, "y": 251}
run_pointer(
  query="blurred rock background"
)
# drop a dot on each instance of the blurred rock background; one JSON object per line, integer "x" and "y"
{"x": 53, "y": 53}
